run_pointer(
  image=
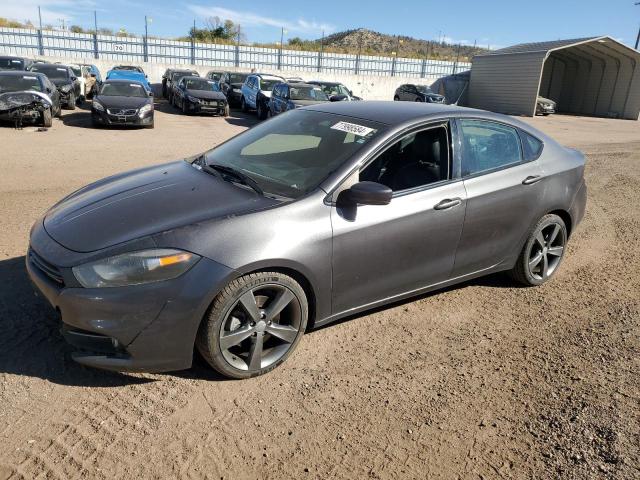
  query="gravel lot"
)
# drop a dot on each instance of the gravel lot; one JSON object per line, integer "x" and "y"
{"x": 481, "y": 381}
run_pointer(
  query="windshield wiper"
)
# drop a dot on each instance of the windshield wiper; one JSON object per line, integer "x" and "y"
{"x": 243, "y": 178}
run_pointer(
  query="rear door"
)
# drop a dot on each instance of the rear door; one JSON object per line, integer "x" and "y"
{"x": 504, "y": 193}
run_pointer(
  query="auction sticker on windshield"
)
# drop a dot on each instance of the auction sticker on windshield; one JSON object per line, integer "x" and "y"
{"x": 354, "y": 128}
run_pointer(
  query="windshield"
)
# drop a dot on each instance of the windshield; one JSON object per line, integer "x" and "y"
{"x": 423, "y": 89}
{"x": 215, "y": 76}
{"x": 123, "y": 89}
{"x": 293, "y": 153}
{"x": 201, "y": 84}
{"x": 11, "y": 64}
{"x": 331, "y": 90}
{"x": 128, "y": 68}
{"x": 237, "y": 77}
{"x": 52, "y": 71}
{"x": 16, "y": 83}
{"x": 267, "y": 85}
{"x": 307, "y": 93}
{"x": 76, "y": 71}
{"x": 176, "y": 76}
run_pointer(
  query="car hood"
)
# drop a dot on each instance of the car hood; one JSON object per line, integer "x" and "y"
{"x": 12, "y": 100}
{"x": 237, "y": 85}
{"x": 118, "y": 101}
{"x": 206, "y": 94}
{"x": 546, "y": 100}
{"x": 144, "y": 202}
{"x": 61, "y": 82}
{"x": 434, "y": 96}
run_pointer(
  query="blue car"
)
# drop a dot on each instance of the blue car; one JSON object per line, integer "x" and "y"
{"x": 129, "y": 75}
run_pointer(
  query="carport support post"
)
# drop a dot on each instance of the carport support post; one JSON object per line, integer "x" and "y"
{"x": 40, "y": 45}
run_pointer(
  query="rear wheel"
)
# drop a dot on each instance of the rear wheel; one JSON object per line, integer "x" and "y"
{"x": 543, "y": 252}
{"x": 396, "y": 98}
{"x": 47, "y": 118}
{"x": 243, "y": 105}
{"x": 253, "y": 325}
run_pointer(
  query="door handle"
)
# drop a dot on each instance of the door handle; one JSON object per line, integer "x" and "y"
{"x": 448, "y": 203}
{"x": 531, "y": 179}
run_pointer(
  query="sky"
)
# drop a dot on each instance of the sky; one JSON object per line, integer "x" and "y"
{"x": 497, "y": 23}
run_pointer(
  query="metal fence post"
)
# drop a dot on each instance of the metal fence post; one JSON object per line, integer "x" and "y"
{"x": 193, "y": 51}
{"x": 423, "y": 68}
{"x": 357, "y": 69}
{"x": 320, "y": 61}
{"x": 393, "y": 65}
{"x": 95, "y": 46}
{"x": 40, "y": 43}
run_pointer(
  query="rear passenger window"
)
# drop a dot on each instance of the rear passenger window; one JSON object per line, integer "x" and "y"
{"x": 488, "y": 146}
{"x": 531, "y": 146}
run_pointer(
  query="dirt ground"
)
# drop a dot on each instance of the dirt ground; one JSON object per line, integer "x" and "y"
{"x": 481, "y": 381}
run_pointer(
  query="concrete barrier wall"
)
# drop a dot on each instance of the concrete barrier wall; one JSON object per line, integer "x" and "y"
{"x": 367, "y": 87}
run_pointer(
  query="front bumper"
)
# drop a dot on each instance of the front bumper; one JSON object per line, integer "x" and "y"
{"x": 148, "y": 327}
{"x": 26, "y": 115}
{"x": 104, "y": 118}
{"x": 215, "y": 107}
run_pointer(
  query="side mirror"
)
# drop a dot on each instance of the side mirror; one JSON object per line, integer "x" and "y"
{"x": 151, "y": 94}
{"x": 370, "y": 193}
{"x": 337, "y": 98}
{"x": 73, "y": 79}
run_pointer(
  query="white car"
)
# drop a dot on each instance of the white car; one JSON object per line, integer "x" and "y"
{"x": 256, "y": 93}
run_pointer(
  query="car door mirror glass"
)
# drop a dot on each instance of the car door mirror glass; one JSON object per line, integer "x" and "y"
{"x": 370, "y": 193}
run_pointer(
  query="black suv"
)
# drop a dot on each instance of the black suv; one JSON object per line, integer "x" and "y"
{"x": 417, "y": 93}
{"x": 290, "y": 95}
{"x": 336, "y": 91}
{"x": 8, "y": 62}
{"x": 231, "y": 85}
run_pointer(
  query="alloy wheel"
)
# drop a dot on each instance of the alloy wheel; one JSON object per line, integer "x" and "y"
{"x": 260, "y": 327}
{"x": 546, "y": 251}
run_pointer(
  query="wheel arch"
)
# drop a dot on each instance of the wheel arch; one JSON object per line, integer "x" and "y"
{"x": 566, "y": 218}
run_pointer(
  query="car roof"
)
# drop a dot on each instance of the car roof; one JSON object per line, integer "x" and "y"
{"x": 389, "y": 112}
{"x": 19, "y": 73}
{"x": 122, "y": 80}
{"x": 300, "y": 84}
{"x": 322, "y": 82}
{"x": 267, "y": 76}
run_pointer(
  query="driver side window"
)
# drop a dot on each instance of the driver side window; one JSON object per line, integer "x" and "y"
{"x": 418, "y": 159}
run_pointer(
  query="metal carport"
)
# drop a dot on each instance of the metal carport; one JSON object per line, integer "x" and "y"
{"x": 596, "y": 76}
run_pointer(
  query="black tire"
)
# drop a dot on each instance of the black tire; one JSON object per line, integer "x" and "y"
{"x": 522, "y": 272}
{"x": 261, "y": 111}
{"x": 419, "y": 100}
{"x": 227, "y": 111}
{"x": 185, "y": 108}
{"x": 243, "y": 106}
{"x": 71, "y": 105}
{"x": 59, "y": 111}
{"x": 396, "y": 98}
{"x": 227, "y": 302}
{"x": 47, "y": 118}
{"x": 151, "y": 126}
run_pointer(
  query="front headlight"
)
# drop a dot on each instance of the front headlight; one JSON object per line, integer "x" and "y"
{"x": 98, "y": 106}
{"x": 193, "y": 99}
{"x": 66, "y": 88}
{"x": 145, "y": 109}
{"x": 135, "y": 268}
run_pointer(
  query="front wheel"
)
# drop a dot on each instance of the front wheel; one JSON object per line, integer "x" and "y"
{"x": 396, "y": 98}
{"x": 243, "y": 106}
{"x": 542, "y": 253}
{"x": 262, "y": 112}
{"x": 253, "y": 325}
{"x": 47, "y": 118}
{"x": 227, "y": 112}
{"x": 71, "y": 104}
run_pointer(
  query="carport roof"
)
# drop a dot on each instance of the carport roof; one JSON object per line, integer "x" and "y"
{"x": 550, "y": 46}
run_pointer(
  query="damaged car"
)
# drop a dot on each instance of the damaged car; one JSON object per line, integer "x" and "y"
{"x": 27, "y": 97}
{"x": 64, "y": 79}
{"x": 417, "y": 93}
{"x": 545, "y": 106}
{"x": 9, "y": 62}
{"x": 199, "y": 95}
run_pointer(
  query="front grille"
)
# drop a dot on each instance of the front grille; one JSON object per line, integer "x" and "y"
{"x": 45, "y": 267}
{"x": 122, "y": 112}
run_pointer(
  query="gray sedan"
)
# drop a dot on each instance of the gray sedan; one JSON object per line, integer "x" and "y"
{"x": 312, "y": 216}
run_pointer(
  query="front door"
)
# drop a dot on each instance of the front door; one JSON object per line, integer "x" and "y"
{"x": 383, "y": 251}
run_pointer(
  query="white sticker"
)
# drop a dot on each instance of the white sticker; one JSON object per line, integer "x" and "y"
{"x": 16, "y": 61}
{"x": 356, "y": 129}
{"x": 135, "y": 85}
{"x": 29, "y": 78}
{"x": 61, "y": 69}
